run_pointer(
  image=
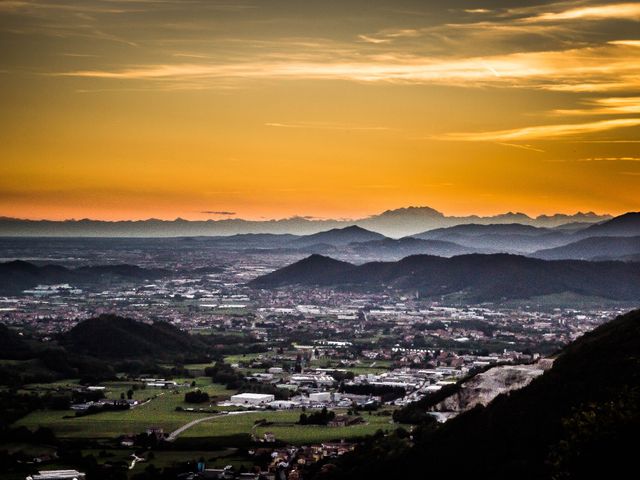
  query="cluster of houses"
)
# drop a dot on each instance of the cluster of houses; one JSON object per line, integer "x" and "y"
{"x": 286, "y": 463}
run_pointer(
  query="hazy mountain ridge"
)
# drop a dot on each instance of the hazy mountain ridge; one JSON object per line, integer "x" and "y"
{"x": 594, "y": 248}
{"x": 527, "y": 239}
{"x": 394, "y": 223}
{"x": 625, "y": 225}
{"x": 339, "y": 236}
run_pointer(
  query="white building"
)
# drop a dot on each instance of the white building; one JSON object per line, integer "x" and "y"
{"x": 324, "y": 397}
{"x": 252, "y": 399}
{"x": 57, "y": 475}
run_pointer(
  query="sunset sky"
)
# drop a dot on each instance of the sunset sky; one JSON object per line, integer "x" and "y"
{"x": 130, "y": 109}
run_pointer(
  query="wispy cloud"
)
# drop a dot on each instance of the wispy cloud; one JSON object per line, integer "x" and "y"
{"x": 218, "y": 212}
{"x": 609, "y": 159}
{"x": 543, "y": 132}
{"x": 604, "y": 106}
{"x": 374, "y": 40}
{"x": 628, "y": 11}
{"x": 326, "y": 126}
{"x": 604, "y": 68}
{"x": 477, "y": 10}
{"x": 521, "y": 146}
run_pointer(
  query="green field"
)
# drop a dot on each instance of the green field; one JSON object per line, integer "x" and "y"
{"x": 284, "y": 427}
{"x": 159, "y": 411}
{"x": 245, "y": 357}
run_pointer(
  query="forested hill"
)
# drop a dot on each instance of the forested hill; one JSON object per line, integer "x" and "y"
{"x": 17, "y": 275}
{"x": 110, "y": 336}
{"x": 477, "y": 277}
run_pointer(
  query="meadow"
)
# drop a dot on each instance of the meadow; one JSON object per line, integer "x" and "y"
{"x": 159, "y": 411}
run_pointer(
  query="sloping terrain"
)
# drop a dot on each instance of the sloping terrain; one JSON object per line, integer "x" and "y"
{"x": 577, "y": 420}
{"x": 484, "y": 387}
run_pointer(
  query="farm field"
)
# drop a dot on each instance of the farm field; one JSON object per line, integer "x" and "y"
{"x": 159, "y": 411}
{"x": 283, "y": 425}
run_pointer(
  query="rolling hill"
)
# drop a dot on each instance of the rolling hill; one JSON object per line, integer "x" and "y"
{"x": 594, "y": 248}
{"x": 315, "y": 269}
{"x": 627, "y": 225}
{"x": 18, "y": 275}
{"x": 406, "y": 246}
{"x": 338, "y": 236}
{"x": 113, "y": 337}
{"x": 507, "y": 238}
{"x": 475, "y": 277}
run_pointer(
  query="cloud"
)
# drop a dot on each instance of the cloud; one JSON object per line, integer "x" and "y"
{"x": 609, "y": 159}
{"x": 628, "y": 43}
{"x": 216, "y": 212}
{"x": 609, "y": 67}
{"x": 368, "y": 39}
{"x": 476, "y": 10}
{"x": 626, "y": 11}
{"x": 325, "y": 126}
{"x": 521, "y": 146}
{"x": 605, "y": 106}
{"x": 543, "y": 132}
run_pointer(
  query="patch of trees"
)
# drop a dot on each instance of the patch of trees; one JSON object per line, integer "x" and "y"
{"x": 196, "y": 396}
{"x": 233, "y": 380}
{"x": 387, "y": 393}
{"x": 14, "y": 405}
{"x": 341, "y": 376}
{"x": 223, "y": 373}
{"x": 114, "y": 406}
{"x": 322, "y": 417}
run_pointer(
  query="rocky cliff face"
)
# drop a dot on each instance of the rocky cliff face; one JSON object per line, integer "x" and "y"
{"x": 484, "y": 387}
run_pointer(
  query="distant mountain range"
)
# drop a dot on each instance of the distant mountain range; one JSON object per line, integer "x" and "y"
{"x": 393, "y": 223}
{"x": 606, "y": 240}
{"x": 550, "y": 243}
{"x": 472, "y": 277}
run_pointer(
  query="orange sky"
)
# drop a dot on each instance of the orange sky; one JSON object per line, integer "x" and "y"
{"x": 129, "y": 109}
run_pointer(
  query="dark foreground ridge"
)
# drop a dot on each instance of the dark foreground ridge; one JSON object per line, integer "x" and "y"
{"x": 476, "y": 277}
{"x": 578, "y": 420}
